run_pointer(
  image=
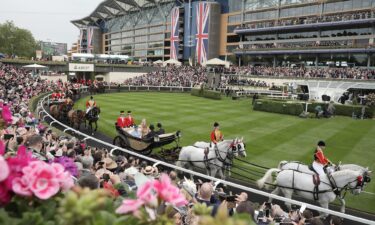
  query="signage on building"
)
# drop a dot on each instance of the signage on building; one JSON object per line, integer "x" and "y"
{"x": 80, "y": 67}
{"x": 38, "y": 54}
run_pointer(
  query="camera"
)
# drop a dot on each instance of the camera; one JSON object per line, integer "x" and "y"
{"x": 8, "y": 136}
{"x": 267, "y": 211}
{"x": 106, "y": 177}
{"x": 231, "y": 198}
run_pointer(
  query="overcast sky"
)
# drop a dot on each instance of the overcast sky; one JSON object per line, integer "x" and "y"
{"x": 48, "y": 20}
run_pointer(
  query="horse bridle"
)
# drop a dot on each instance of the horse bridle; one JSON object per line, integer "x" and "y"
{"x": 359, "y": 185}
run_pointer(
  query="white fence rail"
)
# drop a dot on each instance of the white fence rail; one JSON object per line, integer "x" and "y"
{"x": 41, "y": 110}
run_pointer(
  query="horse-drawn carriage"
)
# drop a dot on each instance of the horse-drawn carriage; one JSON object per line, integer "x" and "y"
{"x": 126, "y": 140}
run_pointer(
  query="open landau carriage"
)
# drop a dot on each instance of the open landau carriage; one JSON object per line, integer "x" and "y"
{"x": 145, "y": 146}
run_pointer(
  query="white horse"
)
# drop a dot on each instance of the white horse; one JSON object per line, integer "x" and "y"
{"x": 216, "y": 158}
{"x": 298, "y": 166}
{"x": 291, "y": 182}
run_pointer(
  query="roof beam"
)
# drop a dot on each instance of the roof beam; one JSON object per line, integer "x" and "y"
{"x": 103, "y": 15}
{"x": 111, "y": 10}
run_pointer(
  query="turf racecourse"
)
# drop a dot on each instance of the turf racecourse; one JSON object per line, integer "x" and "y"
{"x": 269, "y": 137}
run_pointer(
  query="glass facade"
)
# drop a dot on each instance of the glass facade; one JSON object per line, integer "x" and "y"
{"x": 139, "y": 33}
{"x": 270, "y": 28}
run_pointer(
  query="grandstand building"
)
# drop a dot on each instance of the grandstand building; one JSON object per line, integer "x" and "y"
{"x": 260, "y": 32}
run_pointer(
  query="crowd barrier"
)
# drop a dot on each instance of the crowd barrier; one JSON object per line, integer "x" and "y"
{"x": 43, "y": 113}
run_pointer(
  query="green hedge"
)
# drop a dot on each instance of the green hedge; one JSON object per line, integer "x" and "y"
{"x": 296, "y": 108}
{"x": 345, "y": 110}
{"x": 206, "y": 93}
{"x": 278, "y": 107}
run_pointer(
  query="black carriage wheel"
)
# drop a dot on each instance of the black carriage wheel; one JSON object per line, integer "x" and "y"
{"x": 147, "y": 151}
{"x": 118, "y": 142}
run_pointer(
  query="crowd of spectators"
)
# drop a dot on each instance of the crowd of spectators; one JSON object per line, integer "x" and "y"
{"x": 95, "y": 168}
{"x": 304, "y": 44}
{"x": 183, "y": 76}
{"x": 236, "y": 81}
{"x": 304, "y": 72}
{"x": 187, "y": 76}
{"x": 312, "y": 20}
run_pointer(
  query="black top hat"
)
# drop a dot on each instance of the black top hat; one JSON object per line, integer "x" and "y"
{"x": 129, "y": 111}
{"x": 122, "y": 111}
{"x": 321, "y": 143}
{"x": 216, "y": 124}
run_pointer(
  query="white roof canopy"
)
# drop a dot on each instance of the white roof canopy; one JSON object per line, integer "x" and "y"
{"x": 216, "y": 62}
{"x": 172, "y": 61}
{"x": 35, "y": 66}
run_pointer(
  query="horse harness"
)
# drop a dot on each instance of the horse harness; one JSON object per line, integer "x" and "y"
{"x": 334, "y": 188}
{"x": 227, "y": 161}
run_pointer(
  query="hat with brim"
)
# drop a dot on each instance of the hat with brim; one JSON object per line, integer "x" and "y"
{"x": 149, "y": 170}
{"x": 110, "y": 164}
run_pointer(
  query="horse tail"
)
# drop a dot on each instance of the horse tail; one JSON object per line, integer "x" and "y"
{"x": 281, "y": 164}
{"x": 267, "y": 178}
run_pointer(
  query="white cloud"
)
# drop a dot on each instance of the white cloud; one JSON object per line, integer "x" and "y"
{"x": 48, "y": 20}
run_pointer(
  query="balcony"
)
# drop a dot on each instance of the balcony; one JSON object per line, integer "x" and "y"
{"x": 269, "y": 28}
{"x": 306, "y": 50}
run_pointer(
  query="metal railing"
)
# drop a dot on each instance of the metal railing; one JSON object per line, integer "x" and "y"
{"x": 41, "y": 110}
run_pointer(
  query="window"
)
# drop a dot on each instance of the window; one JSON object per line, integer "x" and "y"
{"x": 234, "y": 19}
{"x": 156, "y": 37}
{"x": 261, "y": 15}
{"x": 140, "y": 39}
{"x": 140, "y": 31}
{"x": 300, "y": 11}
{"x": 257, "y": 4}
{"x": 156, "y": 29}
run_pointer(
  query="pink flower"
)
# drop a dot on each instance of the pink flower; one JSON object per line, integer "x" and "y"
{"x": 4, "y": 169}
{"x": 64, "y": 177}
{"x": 2, "y": 148}
{"x": 145, "y": 194}
{"x": 168, "y": 192}
{"x": 42, "y": 180}
{"x": 6, "y": 114}
{"x": 21, "y": 186}
{"x": 17, "y": 163}
{"x": 129, "y": 205}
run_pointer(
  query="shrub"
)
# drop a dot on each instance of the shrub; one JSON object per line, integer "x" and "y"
{"x": 206, "y": 93}
{"x": 278, "y": 107}
{"x": 296, "y": 108}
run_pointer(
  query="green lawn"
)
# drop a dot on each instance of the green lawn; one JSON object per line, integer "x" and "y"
{"x": 269, "y": 137}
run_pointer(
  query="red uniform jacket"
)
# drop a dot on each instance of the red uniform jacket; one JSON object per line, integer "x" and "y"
{"x": 121, "y": 122}
{"x": 90, "y": 105}
{"x": 319, "y": 157}
{"x": 216, "y": 136}
{"x": 129, "y": 121}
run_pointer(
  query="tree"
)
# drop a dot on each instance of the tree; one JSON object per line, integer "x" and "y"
{"x": 16, "y": 41}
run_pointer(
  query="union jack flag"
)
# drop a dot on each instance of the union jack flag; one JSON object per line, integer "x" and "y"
{"x": 90, "y": 34}
{"x": 203, "y": 11}
{"x": 174, "y": 33}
